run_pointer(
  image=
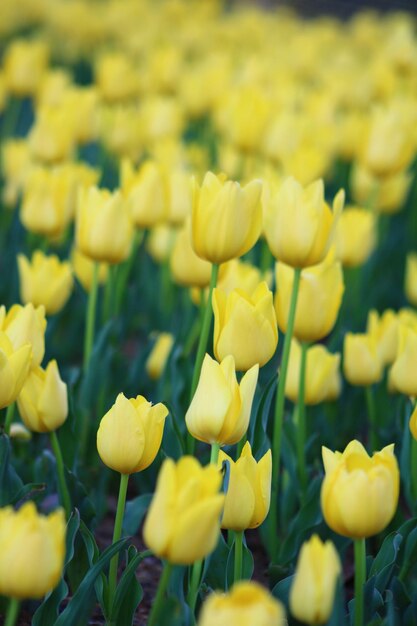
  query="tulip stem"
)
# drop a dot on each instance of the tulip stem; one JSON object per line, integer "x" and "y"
{"x": 117, "y": 533}
{"x": 9, "y": 418}
{"x": 109, "y": 293}
{"x": 370, "y": 402}
{"x": 12, "y": 612}
{"x": 279, "y": 415}
{"x": 195, "y": 584}
{"x": 301, "y": 427}
{"x": 62, "y": 484}
{"x": 159, "y": 598}
{"x": 360, "y": 578}
{"x": 125, "y": 269}
{"x": 237, "y": 575}
{"x": 214, "y": 455}
{"x": 91, "y": 317}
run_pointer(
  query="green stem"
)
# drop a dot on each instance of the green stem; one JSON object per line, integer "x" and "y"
{"x": 195, "y": 584}
{"x": 91, "y": 317}
{"x": 159, "y": 598}
{"x": 279, "y": 414}
{"x": 9, "y": 418}
{"x": 413, "y": 455}
{"x": 11, "y": 117}
{"x": 301, "y": 427}
{"x": 62, "y": 484}
{"x": 370, "y": 403}
{"x": 237, "y": 575}
{"x": 12, "y": 612}
{"x": 360, "y": 578}
{"x": 117, "y": 533}
{"x": 215, "y": 449}
{"x": 126, "y": 269}
{"x": 109, "y": 293}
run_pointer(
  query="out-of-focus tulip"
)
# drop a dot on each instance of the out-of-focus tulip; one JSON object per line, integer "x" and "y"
{"x": 53, "y": 87}
{"x": 386, "y": 195}
{"x": 33, "y": 551}
{"x": 45, "y": 280}
{"x": 130, "y": 434}
{"x": 146, "y": 193}
{"x": 14, "y": 368}
{"x": 226, "y": 218}
{"x": 183, "y": 523}
{"x": 104, "y": 231}
{"x": 361, "y": 361}
{"x": 186, "y": 267}
{"x": 19, "y": 432}
{"x": 120, "y": 130}
{"x": 116, "y": 77}
{"x": 237, "y": 274}
{"x": 312, "y": 592}
{"x": 23, "y": 325}
{"x": 160, "y": 242}
{"x": 319, "y": 299}
{"x": 226, "y": 420}
{"x": 299, "y": 225}
{"x": 355, "y": 237}
{"x": 413, "y": 423}
{"x": 83, "y": 268}
{"x": 245, "y": 326}
{"x": 385, "y": 330}
{"x": 359, "y": 494}
{"x": 43, "y": 399}
{"x": 16, "y": 164}
{"x": 52, "y": 137}
{"x": 322, "y": 379}
{"x": 180, "y": 196}
{"x": 246, "y": 604}
{"x": 249, "y": 492}
{"x": 411, "y": 278}
{"x": 158, "y": 357}
{"x": 85, "y": 101}
{"x": 402, "y": 373}
{"x": 24, "y": 64}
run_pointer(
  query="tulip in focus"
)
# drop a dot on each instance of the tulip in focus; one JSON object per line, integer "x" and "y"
{"x": 45, "y": 280}
{"x": 25, "y": 325}
{"x": 355, "y": 236}
{"x": 361, "y": 361}
{"x": 158, "y": 357}
{"x": 14, "y": 368}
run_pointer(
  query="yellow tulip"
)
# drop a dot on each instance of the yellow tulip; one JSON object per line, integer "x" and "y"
{"x": 226, "y": 218}
{"x": 322, "y": 378}
{"x": 249, "y": 492}
{"x": 411, "y": 278}
{"x": 25, "y": 325}
{"x": 24, "y": 64}
{"x": 14, "y": 368}
{"x": 362, "y": 364}
{"x": 402, "y": 373}
{"x": 186, "y": 267}
{"x": 413, "y": 423}
{"x": 319, "y": 299}
{"x": 85, "y": 101}
{"x": 183, "y": 522}
{"x": 246, "y": 604}
{"x": 45, "y": 280}
{"x": 160, "y": 242}
{"x": 312, "y": 592}
{"x": 130, "y": 434}
{"x": 385, "y": 330}
{"x": 104, "y": 231}
{"x": 83, "y": 268}
{"x": 33, "y": 551}
{"x": 120, "y": 130}
{"x": 146, "y": 193}
{"x": 16, "y": 164}
{"x": 53, "y": 87}
{"x": 117, "y": 77}
{"x": 387, "y": 195}
{"x": 355, "y": 237}
{"x": 157, "y": 359}
{"x": 245, "y": 326}
{"x": 180, "y": 194}
{"x": 19, "y": 432}
{"x": 43, "y": 399}
{"x": 52, "y": 137}
{"x": 299, "y": 225}
{"x": 220, "y": 409}
{"x": 238, "y": 274}
{"x": 359, "y": 494}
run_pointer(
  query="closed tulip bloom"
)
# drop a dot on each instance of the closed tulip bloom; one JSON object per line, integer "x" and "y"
{"x": 385, "y": 330}
{"x": 322, "y": 379}
{"x": 104, "y": 231}
{"x": 130, "y": 434}
{"x": 23, "y": 325}
{"x": 83, "y": 268}
{"x": 245, "y": 326}
{"x": 298, "y": 223}
{"x": 160, "y": 242}
{"x": 249, "y": 492}
{"x": 319, "y": 299}
{"x": 246, "y": 604}
{"x": 43, "y": 399}
{"x": 183, "y": 522}
{"x": 238, "y": 274}
{"x": 45, "y": 280}
{"x": 226, "y": 218}
{"x": 312, "y": 592}
{"x": 361, "y": 361}
{"x": 186, "y": 267}
{"x": 402, "y": 373}
{"x": 146, "y": 193}
{"x": 359, "y": 494}
{"x": 413, "y": 423}
{"x": 180, "y": 194}
{"x": 52, "y": 138}
{"x": 33, "y": 551}
{"x": 355, "y": 236}
{"x": 387, "y": 195}
{"x": 411, "y": 278}
{"x": 156, "y": 361}
{"x": 116, "y": 77}
{"x": 14, "y": 368}
{"x": 24, "y": 65}
{"x": 220, "y": 409}
{"x": 16, "y": 165}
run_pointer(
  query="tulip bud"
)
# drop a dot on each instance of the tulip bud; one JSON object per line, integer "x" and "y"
{"x": 83, "y": 268}
{"x": 14, "y": 368}
{"x": 186, "y": 267}
{"x": 249, "y": 492}
{"x": 24, "y": 65}
{"x": 298, "y": 223}
{"x": 145, "y": 192}
{"x": 45, "y": 280}
{"x": 319, "y": 299}
{"x": 104, "y": 231}
{"x": 402, "y": 373}
{"x": 130, "y": 434}
{"x": 43, "y": 400}
{"x": 158, "y": 357}
{"x": 19, "y": 432}
{"x": 25, "y": 325}
{"x": 385, "y": 330}
{"x": 312, "y": 592}
{"x": 361, "y": 361}
{"x": 411, "y": 278}
{"x": 218, "y": 206}
{"x": 246, "y": 604}
{"x": 322, "y": 378}
{"x": 33, "y": 551}
{"x": 245, "y": 326}
{"x": 225, "y": 420}
{"x": 359, "y": 494}
{"x": 183, "y": 522}
{"x": 355, "y": 237}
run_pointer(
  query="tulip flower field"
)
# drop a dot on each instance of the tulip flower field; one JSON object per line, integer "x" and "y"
{"x": 208, "y": 315}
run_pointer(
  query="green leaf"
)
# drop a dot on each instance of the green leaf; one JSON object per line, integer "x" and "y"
{"x": 281, "y": 591}
{"x": 215, "y": 566}
{"x": 10, "y": 483}
{"x": 384, "y": 562}
{"x": 129, "y": 592}
{"x": 258, "y": 429}
{"x": 247, "y": 564}
{"x": 135, "y": 512}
